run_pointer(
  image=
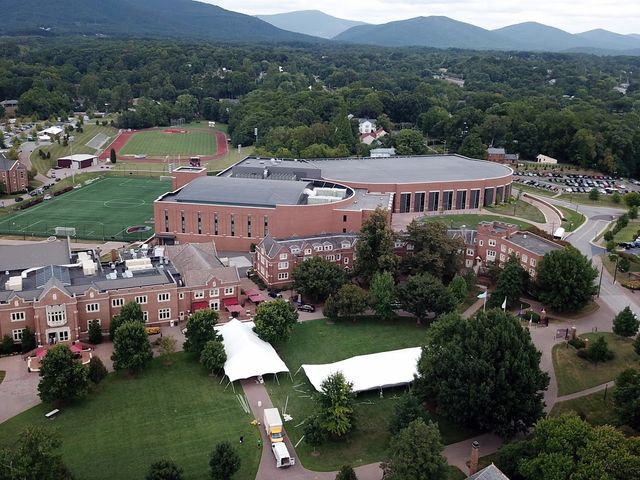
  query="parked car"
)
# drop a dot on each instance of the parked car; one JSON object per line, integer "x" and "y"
{"x": 306, "y": 308}
{"x": 273, "y": 294}
{"x": 18, "y": 199}
{"x": 48, "y": 197}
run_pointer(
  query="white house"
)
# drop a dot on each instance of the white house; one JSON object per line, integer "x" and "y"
{"x": 366, "y": 125}
{"x": 53, "y": 131}
{"x": 382, "y": 152}
{"x": 547, "y": 160}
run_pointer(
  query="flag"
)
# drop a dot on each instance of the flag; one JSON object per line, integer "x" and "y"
{"x": 483, "y": 295}
{"x": 504, "y": 304}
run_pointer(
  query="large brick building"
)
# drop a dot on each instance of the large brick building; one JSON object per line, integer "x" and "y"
{"x": 304, "y": 198}
{"x": 13, "y": 175}
{"x": 57, "y": 292}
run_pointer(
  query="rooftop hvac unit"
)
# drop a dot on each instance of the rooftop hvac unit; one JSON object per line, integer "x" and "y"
{"x": 14, "y": 283}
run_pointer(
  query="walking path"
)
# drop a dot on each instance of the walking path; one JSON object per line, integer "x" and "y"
{"x": 584, "y": 393}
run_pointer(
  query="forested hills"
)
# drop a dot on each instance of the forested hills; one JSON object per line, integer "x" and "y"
{"x": 311, "y": 22}
{"x": 138, "y": 18}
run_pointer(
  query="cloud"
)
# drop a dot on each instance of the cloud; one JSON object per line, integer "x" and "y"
{"x": 620, "y": 16}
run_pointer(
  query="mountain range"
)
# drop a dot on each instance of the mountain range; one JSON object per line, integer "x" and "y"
{"x": 191, "y": 19}
{"x": 310, "y": 22}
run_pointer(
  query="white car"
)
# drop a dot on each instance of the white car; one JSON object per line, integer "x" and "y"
{"x": 48, "y": 197}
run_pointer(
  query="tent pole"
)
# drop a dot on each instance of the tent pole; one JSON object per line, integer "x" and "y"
{"x": 276, "y": 375}
{"x": 233, "y": 387}
{"x": 290, "y": 376}
{"x": 296, "y": 371}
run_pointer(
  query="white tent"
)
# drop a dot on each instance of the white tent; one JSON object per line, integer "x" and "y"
{"x": 247, "y": 355}
{"x": 53, "y": 131}
{"x": 368, "y": 372}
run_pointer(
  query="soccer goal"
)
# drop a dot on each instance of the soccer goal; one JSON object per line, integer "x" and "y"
{"x": 65, "y": 231}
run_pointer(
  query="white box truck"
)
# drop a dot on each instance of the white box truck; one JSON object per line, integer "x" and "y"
{"x": 273, "y": 425}
{"x": 283, "y": 459}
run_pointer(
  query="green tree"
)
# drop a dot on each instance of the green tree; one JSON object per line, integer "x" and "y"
{"x": 406, "y": 410}
{"x": 636, "y": 345}
{"x": 473, "y": 147}
{"x": 95, "y": 332}
{"x": 224, "y": 461}
{"x": 375, "y": 247}
{"x": 317, "y": 278}
{"x": 274, "y": 320}
{"x": 213, "y": 356}
{"x": 200, "y": 330}
{"x": 28, "y": 340}
{"x": 633, "y": 212}
{"x": 164, "y": 470}
{"x": 348, "y": 302}
{"x": 96, "y": 371}
{"x": 626, "y": 398}
{"x": 34, "y": 457}
{"x": 626, "y": 323}
{"x": 458, "y": 289}
{"x": 565, "y": 280}
{"x": 113, "y": 158}
{"x": 512, "y": 284}
{"x": 167, "y": 347}
{"x": 594, "y": 194}
{"x": 616, "y": 198}
{"x": 346, "y": 472}
{"x": 336, "y": 400}
{"x": 424, "y": 294}
{"x": 410, "y": 142}
{"x": 62, "y": 378}
{"x": 314, "y": 433}
{"x": 416, "y": 453}
{"x": 597, "y": 352}
{"x": 382, "y": 294}
{"x": 131, "y": 348}
{"x": 7, "y": 344}
{"x": 632, "y": 199}
{"x": 185, "y": 107}
{"x": 483, "y": 372}
{"x": 433, "y": 250}
{"x": 131, "y": 311}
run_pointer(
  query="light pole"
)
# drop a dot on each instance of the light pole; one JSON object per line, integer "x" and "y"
{"x": 615, "y": 272}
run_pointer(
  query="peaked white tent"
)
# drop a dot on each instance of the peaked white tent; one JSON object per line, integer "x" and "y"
{"x": 247, "y": 355}
{"x": 369, "y": 372}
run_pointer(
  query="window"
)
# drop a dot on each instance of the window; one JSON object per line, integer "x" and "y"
{"x": 461, "y": 199}
{"x": 331, "y": 258}
{"x": 164, "y": 297}
{"x": 283, "y": 265}
{"x": 145, "y": 316}
{"x": 481, "y": 242}
{"x": 346, "y": 260}
{"x": 266, "y": 225}
{"x": 474, "y": 199}
{"x": 532, "y": 272}
{"x": 56, "y": 315}
{"x": 233, "y": 225}
{"x": 525, "y": 258}
{"x": 533, "y": 262}
{"x": 469, "y": 252}
{"x": 181, "y": 296}
{"x": 117, "y": 302}
{"x": 447, "y": 200}
{"x": 18, "y": 316}
{"x": 63, "y": 335}
{"x": 344, "y": 218}
{"x": 182, "y": 221}
{"x": 166, "y": 220}
{"x": 92, "y": 307}
{"x": 94, "y": 320}
{"x": 338, "y": 256}
{"x": 328, "y": 247}
{"x": 295, "y": 250}
{"x": 510, "y": 251}
{"x": 229, "y": 290}
{"x": 283, "y": 256}
{"x": 141, "y": 299}
{"x": 215, "y": 224}
{"x": 283, "y": 276}
{"x": 164, "y": 314}
{"x": 503, "y": 248}
{"x": 499, "y": 194}
{"x": 405, "y": 202}
{"x": 307, "y": 251}
{"x": 249, "y": 226}
{"x": 214, "y": 292}
{"x": 317, "y": 248}
{"x": 491, "y": 254}
{"x": 502, "y": 257}
{"x": 214, "y": 305}
{"x": 434, "y": 200}
{"x": 345, "y": 245}
{"x": 17, "y": 335}
{"x": 410, "y": 246}
{"x": 488, "y": 196}
{"x": 419, "y": 202}
{"x": 492, "y": 242}
{"x": 198, "y": 294}
{"x": 199, "y": 223}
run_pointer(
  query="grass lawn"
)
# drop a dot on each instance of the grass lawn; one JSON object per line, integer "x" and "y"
{"x": 157, "y": 143}
{"x": 103, "y": 209}
{"x": 594, "y": 407}
{"x": 628, "y": 233}
{"x": 572, "y": 219}
{"x": 536, "y": 191}
{"x": 583, "y": 199}
{"x": 470, "y": 220}
{"x": 78, "y": 145}
{"x": 575, "y": 374}
{"x": 173, "y": 412}
{"x": 518, "y": 208}
{"x": 319, "y": 341}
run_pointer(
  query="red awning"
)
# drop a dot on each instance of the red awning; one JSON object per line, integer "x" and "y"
{"x": 257, "y": 298}
{"x": 199, "y": 305}
{"x": 75, "y": 348}
{"x": 251, "y": 292}
{"x": 41, "y": 352}
{"x": 229, "y": 301}
{"x": 234, "y": 308}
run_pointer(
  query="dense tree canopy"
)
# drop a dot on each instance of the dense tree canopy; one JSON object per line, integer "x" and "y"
{"x": 375, "y": 247}
{"x": 483, "y": 372}
{"x": 626, "y": 398}
{"x": 317, "y": 278}
{"x": 200, "y": 330}
{"x": 62, "y": 378}
{"x": 274, "y": 320}
{"x": 626, "y": 323}
{"x": 423, "y": 295}
{"x": 512, "y": 284}
{"x": 131, "y": 348}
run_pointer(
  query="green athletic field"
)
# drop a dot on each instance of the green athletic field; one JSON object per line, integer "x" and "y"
{"x": 101, "y": 210}
{"x": 156, "y": 143}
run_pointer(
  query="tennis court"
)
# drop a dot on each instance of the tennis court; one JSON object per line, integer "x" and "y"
{"x": 119, "y": 208}
{"x": 170, "y": 141}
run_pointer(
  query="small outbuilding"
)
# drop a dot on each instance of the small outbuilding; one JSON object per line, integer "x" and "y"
{"x": 78, "y": 161}
{"x": 547, "y": 160}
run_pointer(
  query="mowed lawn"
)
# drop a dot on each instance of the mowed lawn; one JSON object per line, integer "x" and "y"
{"x": 102, "y": 209}
{"x": 470, "y": 220}
{"x": 595, "y": 408}
{"x": 174, "y": 411}
{"x": 158, "y": 143}
{"x": 575, "y": 374}
{"x": 320, "y": 341}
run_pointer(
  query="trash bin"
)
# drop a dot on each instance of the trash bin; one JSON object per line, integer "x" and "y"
{"x": 172, "y": 323}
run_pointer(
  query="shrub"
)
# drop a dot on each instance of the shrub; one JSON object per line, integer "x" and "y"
{"x": 577, "y": 343}
{"x": 608, "y": 236}
{"x": 597, "y": 352}
{"x": 7, "y": 345}
{"x": 97, "y": 370}
{"x": 95, "y": 333}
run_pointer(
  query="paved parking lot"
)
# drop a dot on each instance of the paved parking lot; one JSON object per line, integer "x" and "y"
{"x": 576, "y": 183}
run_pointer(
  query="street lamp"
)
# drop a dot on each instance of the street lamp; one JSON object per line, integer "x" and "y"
{"x": 615, "y": 272}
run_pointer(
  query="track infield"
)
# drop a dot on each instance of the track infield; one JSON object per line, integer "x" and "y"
{"x": 104, "y": 209}
{"x": 170, "y": 141}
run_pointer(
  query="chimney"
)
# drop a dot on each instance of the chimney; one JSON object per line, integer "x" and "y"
{"x": 475, "y": 454}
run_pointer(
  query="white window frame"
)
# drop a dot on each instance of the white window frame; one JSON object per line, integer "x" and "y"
{"x": 328, "y": 247}
{"x": 94, "y": 320}
{"x": 307, "y": 251}
{"x": 295, "y": 250}
{"x": 20, "y": 316}
{"x": 346, "y": 260}
{"x": 283, "y": 256}
{"x": 503, "y": 248}
{"x": 214, "y": 305}
{"x": 229, "y": 290}
{"x": 17, "y": 334}
{"x": 481, "y": 243}
{"x": 283, "y": 265}
{"x": 181, "y": 296}
{"x": 92, "y": 307}
{"x": 345, "y": 245}
{"x": 470, "y": 252}
{"x": 331, "y": 258}
{"x": 502, "y": 257}
{"x": 410, "y": 246}
{"x": 533, "y": 262}
{"x": 532, "y": 272}
{"x": 198, "y": 294}
{"x": 142, "y": 299}
{"x": 117, "y": 302}
{"x": 491, "y": 253}
{"x": 56, "y": 315}
{"x": 145, "y": 316}
{"x": 214, "y": 292}
{"x": 283, "y": 276}
{"x": 164, "y": 314}
{"x": 525, "y": 258}
{"x": 164, "y": 297}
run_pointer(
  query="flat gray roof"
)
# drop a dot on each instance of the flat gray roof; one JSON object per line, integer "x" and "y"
{"x": 419, "y": 169}
{"x": 534, "y": 243}
{"x": 241, "y": 191}
{"x": 36, "y": 254}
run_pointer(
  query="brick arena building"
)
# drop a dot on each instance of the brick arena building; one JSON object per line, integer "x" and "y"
{"x": 303, "y": 198}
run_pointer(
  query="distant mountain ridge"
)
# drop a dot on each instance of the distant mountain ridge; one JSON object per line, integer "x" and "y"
{"x": 157, "y": 18}
{"x": 310, "y": 22}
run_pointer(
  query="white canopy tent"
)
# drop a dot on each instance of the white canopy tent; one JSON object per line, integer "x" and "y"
{"x": 247, "y": 355}
{"x": 369, "y": 372}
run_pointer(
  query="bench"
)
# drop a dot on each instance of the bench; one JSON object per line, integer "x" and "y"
{"x": 52, "y": 413}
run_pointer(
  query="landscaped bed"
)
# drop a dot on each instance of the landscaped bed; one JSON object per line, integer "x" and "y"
{"x": 175, "y": 412}
{"x": 320, "y": 341}
{"x": 575, "y": 374}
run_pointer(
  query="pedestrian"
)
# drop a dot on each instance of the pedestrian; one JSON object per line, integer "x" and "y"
{"x": 241, "y": 439}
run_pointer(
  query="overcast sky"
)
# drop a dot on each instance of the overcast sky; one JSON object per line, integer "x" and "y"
{"x": 622, "y": 16}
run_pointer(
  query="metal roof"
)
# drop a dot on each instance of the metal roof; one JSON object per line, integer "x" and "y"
{"x": 416, "y": 169}
{"x": 488, "y": 473}
{"x": 533, "y": 243}
{"x": 5, "y": 163}
{"x": 36, "y": 254}
{"x": 241, "y": 191}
